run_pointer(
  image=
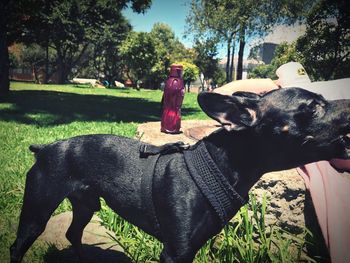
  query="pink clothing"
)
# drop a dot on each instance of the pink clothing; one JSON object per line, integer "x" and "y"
{"x": 330, "y": 192}
{"x": 329, "y": 188}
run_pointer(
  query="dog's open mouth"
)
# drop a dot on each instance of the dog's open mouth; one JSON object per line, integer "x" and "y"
{"x": 346, "y": 141}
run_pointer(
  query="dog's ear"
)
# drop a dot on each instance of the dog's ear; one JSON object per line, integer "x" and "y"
{"x": 233, "y": 112}
{"x": 246, "y": 94}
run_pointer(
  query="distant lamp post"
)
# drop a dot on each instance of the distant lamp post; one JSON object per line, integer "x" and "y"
{"x": 201, "y": 77}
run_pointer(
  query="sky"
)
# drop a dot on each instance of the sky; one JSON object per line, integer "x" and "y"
{"x": 171, "y": 12}
{"x": 174, "y": 13}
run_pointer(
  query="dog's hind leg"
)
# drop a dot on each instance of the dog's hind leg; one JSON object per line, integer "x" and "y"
{"x": 41, "y": 198}
{"x": 84, "y": 205}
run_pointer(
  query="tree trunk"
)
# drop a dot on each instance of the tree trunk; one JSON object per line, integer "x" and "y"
{"x": 61, "y": 75}
{"x": 4, "y": 57}
{"x": 232, "y": 69}
{"x": 240, "y": 54}
{"x": 228, "y": 60}
{"x": 46, "y": 76}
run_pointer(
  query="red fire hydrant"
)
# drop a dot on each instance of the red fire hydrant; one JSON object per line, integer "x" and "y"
{"x": 172, "y": 100}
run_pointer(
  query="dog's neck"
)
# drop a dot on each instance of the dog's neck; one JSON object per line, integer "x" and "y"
{"x": 236, "y": 156}
{"x": 250, "y": 156}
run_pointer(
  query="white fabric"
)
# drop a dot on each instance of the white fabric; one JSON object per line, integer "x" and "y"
{"x": 292, "y": 74}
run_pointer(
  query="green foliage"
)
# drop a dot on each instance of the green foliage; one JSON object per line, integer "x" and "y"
{"x": 224, "y": 20}
{"x": 262, "y": 71}
{"x": 324, "y": 48}
{"x": 245, "y": 239}
{"x": 219, "y": 77}
{"x": 70, "y": 28}
{"x": 139, "y": 55}
{"x": 104, "y": 59}
{"x": 206, "y": 59}
{"x": 325, "y": 45}
{"x": 190, "y": 72}
{"x": 148, "y": 56}
{"x": 284, "y": 53}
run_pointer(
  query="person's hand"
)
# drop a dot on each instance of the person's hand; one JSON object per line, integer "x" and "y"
{"x": 259, "y": 86}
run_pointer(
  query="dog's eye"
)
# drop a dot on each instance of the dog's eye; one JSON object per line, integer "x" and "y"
{"x": 308, "y": 111}
{"x": 314, "y": 107}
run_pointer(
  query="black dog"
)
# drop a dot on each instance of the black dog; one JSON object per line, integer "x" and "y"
{"x": 182, "y": 196}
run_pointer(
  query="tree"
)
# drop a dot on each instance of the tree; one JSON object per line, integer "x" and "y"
{"x": 169, "y": 50}
{"x": 4, "y": 55}
{"x": 66, "y": 26}
{"x": 139, "y": 55}
{"x": 215, "y": 21}
{"x": 206, "y": 59}
{"x": 190, "y": 73}
{"x": 164, "y": 40}
{"x": 105, "y": 56}
{"x": 218, "y": 78}
{"x": 74, "y": 25}
{"x": 284, "y": 53}
{"x": 242, "y": 18}
{"x": 324, "y": 48}
{"x": 159, "y": 48}
{"x": 326, "y": 43}
{"x": 33, "y": 57}
{"x": 12, "y": 14}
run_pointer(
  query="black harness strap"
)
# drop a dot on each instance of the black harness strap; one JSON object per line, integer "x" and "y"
{"x": 206, "y": 174}
{"x": 151, "y": 154}
{"x": 147, "y": 190}
{"x": 212, "y": 183}
{"x": 148, "y": 149}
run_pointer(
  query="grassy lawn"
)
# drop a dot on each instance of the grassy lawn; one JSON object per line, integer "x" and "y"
{"x": 45, "y": 113}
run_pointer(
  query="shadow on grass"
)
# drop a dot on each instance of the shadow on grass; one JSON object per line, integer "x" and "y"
{"x": 46, "y": 108}
{"x": 92, "y": 253}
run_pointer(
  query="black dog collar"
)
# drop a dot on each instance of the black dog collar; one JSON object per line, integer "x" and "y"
{"x": 212, "y": 182}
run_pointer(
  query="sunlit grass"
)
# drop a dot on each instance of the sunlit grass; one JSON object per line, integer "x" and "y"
{"x": 246, "y": 239}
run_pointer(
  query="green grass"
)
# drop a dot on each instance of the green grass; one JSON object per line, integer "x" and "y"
{"x": 44, "y": 113}
{"x": 246, "y": 239}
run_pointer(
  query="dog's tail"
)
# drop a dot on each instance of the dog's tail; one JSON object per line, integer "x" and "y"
{"x": 36, "y": 148}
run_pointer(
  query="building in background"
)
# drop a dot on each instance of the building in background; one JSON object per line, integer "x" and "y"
{"x": 282, "y": 33}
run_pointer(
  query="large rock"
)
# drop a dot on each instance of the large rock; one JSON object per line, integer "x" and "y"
{"x": 150, "y": 132}
{"x": 285, "y": 192}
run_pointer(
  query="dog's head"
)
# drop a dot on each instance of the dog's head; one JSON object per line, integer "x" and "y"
{"x": 291, "y": 121}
